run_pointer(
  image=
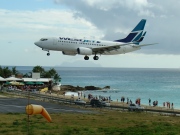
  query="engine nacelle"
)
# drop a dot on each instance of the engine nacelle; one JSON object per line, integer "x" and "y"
{"x": 84, "y": 51}
{"x": 69, "y": 53}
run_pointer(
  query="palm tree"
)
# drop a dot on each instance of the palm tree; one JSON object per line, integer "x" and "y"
{"x": 57, "y": 78}
{"x": 46, "y": 74}
{"x": 5, "y": 72}
{"x": 27, "y": 75}
{"x": 38, "y": 69}
{"x": 14, "y": 71}
{"x": 52, "y": 71}
{"x": 1, "y": 71}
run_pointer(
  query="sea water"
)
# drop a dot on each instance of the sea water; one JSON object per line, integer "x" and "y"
{"x": 162, "y": 85}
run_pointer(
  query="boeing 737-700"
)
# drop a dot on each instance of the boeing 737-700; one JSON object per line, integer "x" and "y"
{"x": 86, "y": 47}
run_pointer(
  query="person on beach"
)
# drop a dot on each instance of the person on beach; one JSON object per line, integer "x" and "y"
{"x": 127, "y": 100}
{"x": 109, "y": 99}
{"x": 156, "y": 103}
{"x": 84, "y": 96}
{"x": 130, "y": 101}
{"x": 149, "y": 102}
{"x": 78, "y": 94}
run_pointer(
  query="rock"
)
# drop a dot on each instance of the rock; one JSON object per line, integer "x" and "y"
{"x": 71, "y": 88}
{"x": 78, "y": 88}
{"x": 92, "y": 88}
{"x": 106, "y": 87}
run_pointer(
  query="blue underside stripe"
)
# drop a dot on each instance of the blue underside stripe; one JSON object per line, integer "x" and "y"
{"x": 128, "y": 38}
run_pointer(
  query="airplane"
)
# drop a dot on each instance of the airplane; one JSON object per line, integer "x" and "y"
{"x": 86, "y": 47}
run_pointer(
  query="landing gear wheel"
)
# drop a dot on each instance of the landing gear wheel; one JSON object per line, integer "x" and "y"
{"x": 86, "y": 57}
{"x": 48, "y": 54}
{"x": 95, "y": 57}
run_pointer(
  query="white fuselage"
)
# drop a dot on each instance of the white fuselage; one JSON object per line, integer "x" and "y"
{"x": 70, "y": 46}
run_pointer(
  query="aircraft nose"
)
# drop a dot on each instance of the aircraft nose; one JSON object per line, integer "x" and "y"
{"x": 37, "y": 43}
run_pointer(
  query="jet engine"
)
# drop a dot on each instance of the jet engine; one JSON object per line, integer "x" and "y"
{"x": 84, "y": 51}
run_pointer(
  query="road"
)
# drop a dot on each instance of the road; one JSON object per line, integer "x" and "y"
{"x": 17, "y": 105}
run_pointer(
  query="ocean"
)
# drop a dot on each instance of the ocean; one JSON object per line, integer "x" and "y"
{"x": 162, "y": 85}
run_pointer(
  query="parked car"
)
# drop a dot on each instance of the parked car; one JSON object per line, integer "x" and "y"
{"x": 80, "y": 102}
{"x": 135, "y": 107}
{"x": 95, "y": 103}
{"x": 104, "y": 103}
{"x": 98, "y": 103}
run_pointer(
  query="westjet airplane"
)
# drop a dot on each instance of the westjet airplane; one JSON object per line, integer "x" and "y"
{"x": 86, "y": 47}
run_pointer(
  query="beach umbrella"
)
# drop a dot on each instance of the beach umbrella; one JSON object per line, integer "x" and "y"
{"x": 30, "y": 83}
{"x": 2, "y": 79}
{"x": 7, "y": 83}
{"x": 16, "y": 83}
{"x": 39, "y": 83}
{"x": 21, "y": 83}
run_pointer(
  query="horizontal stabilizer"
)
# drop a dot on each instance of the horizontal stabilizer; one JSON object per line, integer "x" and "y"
{"x": 144, "y": 45}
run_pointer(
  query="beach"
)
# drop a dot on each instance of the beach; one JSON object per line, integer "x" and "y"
{"x": 159, "y": 84}
{"x": 74, "y": 96}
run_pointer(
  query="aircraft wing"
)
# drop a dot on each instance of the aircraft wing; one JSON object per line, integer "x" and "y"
{"x": 102, "y": 49}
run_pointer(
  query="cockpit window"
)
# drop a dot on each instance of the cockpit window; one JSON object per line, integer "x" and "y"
{"x": 43, "y": 39}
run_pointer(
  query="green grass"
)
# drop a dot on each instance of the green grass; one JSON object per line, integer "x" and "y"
{"x": 104, "y": 123}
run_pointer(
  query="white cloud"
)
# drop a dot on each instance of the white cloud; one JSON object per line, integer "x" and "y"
{"x": 142, "y": 7}
{"x": 44, "y": 22}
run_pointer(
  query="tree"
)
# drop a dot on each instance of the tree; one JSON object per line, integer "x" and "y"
{"x": 57, "y": 78}
{"x": 52, "y": 73}
{"x": 46, "y": 75}
{"x": 14, "y": 71}
{"x": 38, "y": 69}
{"x": 5, "y": 72}
{"x": 27, "y": 75}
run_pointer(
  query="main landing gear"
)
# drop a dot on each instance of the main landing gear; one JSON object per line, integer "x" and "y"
{"x": 87, "y": 57}
{"x": 95, "y": 57}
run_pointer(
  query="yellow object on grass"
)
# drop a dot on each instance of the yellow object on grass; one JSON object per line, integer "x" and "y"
{"x": 38, "y": 109}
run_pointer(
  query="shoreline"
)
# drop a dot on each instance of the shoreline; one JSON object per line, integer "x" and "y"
{"x": 69, "y": 93}
{"x": 119, "y": 103}
{"x": 112, "y": 103}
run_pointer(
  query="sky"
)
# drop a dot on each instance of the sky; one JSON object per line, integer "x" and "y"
{"x": 24, "y": 22}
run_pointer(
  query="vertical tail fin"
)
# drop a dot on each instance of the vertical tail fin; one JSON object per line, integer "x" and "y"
{"x": 136, "y": 34}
